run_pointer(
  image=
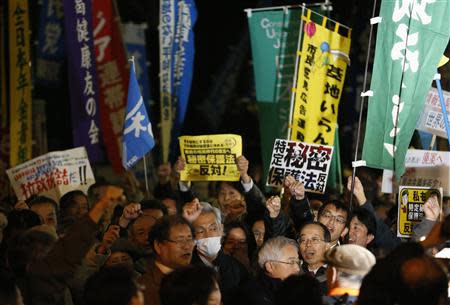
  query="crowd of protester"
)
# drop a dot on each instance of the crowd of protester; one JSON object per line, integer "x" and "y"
{"x": 220, "y": 243}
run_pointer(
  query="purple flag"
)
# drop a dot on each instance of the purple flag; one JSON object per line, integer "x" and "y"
{"x": 82, "y": 77}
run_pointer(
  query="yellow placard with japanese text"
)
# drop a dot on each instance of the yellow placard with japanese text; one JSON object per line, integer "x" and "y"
{"x": 323, "y": 63}
{"x": 211, "y": 157}
{"x": 410, "y": 207}
{"x": 20, "y": 82}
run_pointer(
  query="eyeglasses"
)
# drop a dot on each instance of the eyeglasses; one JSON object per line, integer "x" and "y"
{"x": 182, "y": 242}
{"x": 328, "y": 216}
{"x": 290, "y": 262}
{"x": 312, "y": 241}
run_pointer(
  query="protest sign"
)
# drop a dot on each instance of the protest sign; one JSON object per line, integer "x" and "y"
{"x": 431, "y": 118}
{"x": 423, "y": 168}
{"x": 410, "y": 207}
{"x": 52, "y": 174}
{"x": 50, "y": 53}
{"x": 112, "y": 77}
{"x": 323, "y": 63}
{"x": 403, "y": 69}
{"x": 82, "y": 75}
{"x": 20, "y": 82}
{"x": 211, "y": 157}
{"x": 308, "y": 163}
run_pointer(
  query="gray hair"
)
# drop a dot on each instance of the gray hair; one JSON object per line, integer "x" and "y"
{"x": 208, "y": 208}
{"x": 272, "y": 249}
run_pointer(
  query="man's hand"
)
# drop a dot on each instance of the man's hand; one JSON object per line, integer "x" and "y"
{"x": 273, "y": 204}
{"x": 192, "y": 210}
{"x": 234, "y": 209}
{"x": 358, "y": 190}
{"x": 431, "y": 208}
{"x": 242, "y": 165}
{"x": 164, "y": 172}
{"x": 110, "y": 236}
{"x": 112, "y": 195}
{"x": 130, "y": 212}
{"x": 110, "y": 198}
{"x": 296, "y": 188}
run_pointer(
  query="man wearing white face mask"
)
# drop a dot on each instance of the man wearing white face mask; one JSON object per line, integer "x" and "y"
{"x": 208, "y": 231}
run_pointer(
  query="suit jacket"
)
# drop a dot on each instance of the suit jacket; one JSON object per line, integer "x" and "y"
{"x": 151, "y": 279}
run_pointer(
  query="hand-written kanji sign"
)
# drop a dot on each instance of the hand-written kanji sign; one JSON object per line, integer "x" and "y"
{"x": 410, "y": 208}
{"x": 211, "y": 158}
{"x": 308, "y": 163}
{"x": 52, "y": 174}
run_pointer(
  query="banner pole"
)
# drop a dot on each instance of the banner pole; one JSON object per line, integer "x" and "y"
{"x": 147, "y": 191}
{"x": 442, "y": 101}
{"x": 369, "y": 43}
{"x": 297, "y": 62}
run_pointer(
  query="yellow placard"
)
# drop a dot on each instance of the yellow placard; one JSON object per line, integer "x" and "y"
{"x": 20, "y": 81}
{"x": 410, "y": 207}
{"x": 323, "y": 64}
{"x": 211, "y": 157}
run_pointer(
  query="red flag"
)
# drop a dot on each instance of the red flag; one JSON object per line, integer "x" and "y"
{"x": 112, "y": 77}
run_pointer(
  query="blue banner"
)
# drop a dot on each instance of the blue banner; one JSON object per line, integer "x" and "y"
{"x": 183, "y": 67}
{"x": 51, "y": 51}
{"x": 137, "y": 132}
{"x": 82, "y": 77}
{"x": 134, "y": 39}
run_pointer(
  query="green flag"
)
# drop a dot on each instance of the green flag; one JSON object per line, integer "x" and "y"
{"x": 274, "y": 39}
{"x": 411, "y": 39}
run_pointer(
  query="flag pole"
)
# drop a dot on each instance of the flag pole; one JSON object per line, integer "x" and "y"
{"x": 369, "y": 43}
{"x": 147, "y": 191}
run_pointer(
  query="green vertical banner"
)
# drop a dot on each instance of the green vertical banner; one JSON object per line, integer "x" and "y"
{"x": 274, "y": 38}
{"x": 411, "y": 39}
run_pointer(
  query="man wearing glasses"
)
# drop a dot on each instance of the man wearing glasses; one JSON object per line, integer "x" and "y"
{"x": 278, "y": 259}
{"x": 333, "y": 214}
{"x": 172, "y": 240}
{"x": 314, "y": 241}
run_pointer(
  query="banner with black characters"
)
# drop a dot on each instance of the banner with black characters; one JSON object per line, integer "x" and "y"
{"x": 308, "y": 163}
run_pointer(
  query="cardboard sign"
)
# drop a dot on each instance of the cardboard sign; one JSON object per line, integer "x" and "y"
{"x": 52, "y": 174}
{"x": 211, "y": 158}
{"x": 308, "y": 163}
{"x": 432, "y": 119}
{"x": 423, "y": 168}
{"x": 410, "y": 207}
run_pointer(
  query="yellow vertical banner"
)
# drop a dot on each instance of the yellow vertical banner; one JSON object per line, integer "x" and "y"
{"x": 19, "y": 81}
{"x": 323, "y": 63}
{"x": 3, "y": 101}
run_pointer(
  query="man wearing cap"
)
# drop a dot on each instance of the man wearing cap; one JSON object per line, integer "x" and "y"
{"x": 347, "y": 266}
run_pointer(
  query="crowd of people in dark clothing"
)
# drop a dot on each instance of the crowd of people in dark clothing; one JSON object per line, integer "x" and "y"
{"x": 220, "y": 243}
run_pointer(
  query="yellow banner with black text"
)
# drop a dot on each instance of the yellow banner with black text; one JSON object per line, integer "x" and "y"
{"x": 323, "y": 63}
